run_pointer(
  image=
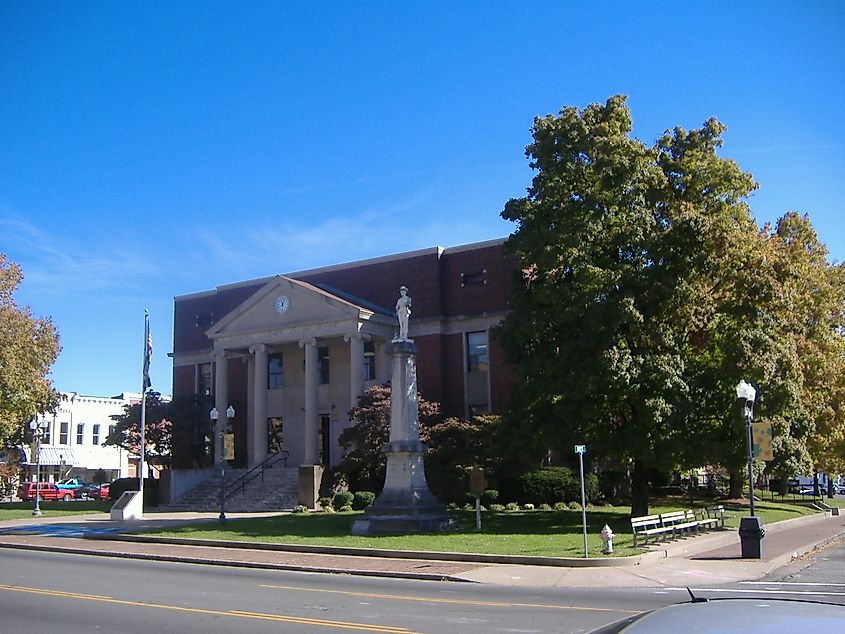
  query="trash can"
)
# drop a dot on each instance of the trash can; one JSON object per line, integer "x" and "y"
{"x": 751, "y": 533}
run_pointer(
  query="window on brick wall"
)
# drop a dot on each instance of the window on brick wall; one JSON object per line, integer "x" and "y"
{"x": 474, "y": 278}
{"x": 204, "y": 379}
{"x": 477, "y": 351}
{"x": 274, "y": 371}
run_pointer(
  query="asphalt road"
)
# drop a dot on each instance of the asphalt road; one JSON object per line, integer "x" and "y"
{"x": 54, "y": 592}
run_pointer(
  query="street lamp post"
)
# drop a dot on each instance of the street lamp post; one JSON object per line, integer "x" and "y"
{"x": 751, "y": 530}
{"x": 39, "y": 428}
{"x": 746, "y": 393}
{"x": 214, "y": 415}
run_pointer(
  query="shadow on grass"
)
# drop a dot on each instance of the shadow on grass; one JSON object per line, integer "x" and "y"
{"x": 336, "y": 525}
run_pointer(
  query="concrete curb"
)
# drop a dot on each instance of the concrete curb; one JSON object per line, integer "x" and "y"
{"x": 421, "y": 576}
{"x": 478, "y": 558}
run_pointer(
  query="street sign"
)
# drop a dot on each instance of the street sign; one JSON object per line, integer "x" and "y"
{"x": 477, "y": 481}
{"x": 580, "y": 448}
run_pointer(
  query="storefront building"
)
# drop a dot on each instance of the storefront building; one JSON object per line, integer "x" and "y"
{"x": 291, "y": 354}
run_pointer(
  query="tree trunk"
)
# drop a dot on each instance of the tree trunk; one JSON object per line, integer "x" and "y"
{"x": 639, "y": 489}
{"x": 736, "y": 483}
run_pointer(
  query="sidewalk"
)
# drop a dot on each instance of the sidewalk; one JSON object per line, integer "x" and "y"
{"x": 709, "y": 559}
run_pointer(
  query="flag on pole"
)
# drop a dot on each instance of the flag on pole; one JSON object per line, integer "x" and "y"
{"x": 148, "y": 351}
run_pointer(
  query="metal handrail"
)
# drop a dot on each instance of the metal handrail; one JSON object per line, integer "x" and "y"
{"x": 256, "y": 472}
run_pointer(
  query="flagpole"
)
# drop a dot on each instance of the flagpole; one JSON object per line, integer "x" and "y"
{"x": 145, "y": 380}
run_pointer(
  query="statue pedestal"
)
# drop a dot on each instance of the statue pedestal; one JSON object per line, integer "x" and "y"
{"x": 405, "y": 505}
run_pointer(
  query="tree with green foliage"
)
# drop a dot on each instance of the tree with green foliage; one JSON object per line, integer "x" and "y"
{"x": 625, "y": 254}
{"x": 363, "y": 465}
{"x": 455, "y": 446}
{"x": 158, "y": 430}
{"x": 29, "y": 345}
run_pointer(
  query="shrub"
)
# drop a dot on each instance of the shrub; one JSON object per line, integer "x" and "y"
{"x": 574, "y": 506}
{"x": 555, "y": 484}
{"x": 325, "y": 503}
{"x": 300, "y": 509}
{"x": 511, "y": 506}
{"x": 545, "y": 507}
{"x": 497, "y": 507}
{"x": 452, "y": 506}
{"x": 346, "y": 508}
{"x": 342, "y": 498}
{"x": 560, "y": 506}
{"x": 489, "y": 497}
{"x": 528, "y": 507}
{"x": 362, "y": 499}
{"x": 120, "y": 485}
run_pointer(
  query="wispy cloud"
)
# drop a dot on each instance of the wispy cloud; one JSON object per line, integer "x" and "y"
{"x": 60, "y": 261}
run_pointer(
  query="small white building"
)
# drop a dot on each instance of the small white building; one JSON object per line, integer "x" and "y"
{"x": 73, "y": 442}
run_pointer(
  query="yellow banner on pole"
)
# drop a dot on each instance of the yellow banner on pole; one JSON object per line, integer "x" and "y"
{"x": 761, "y": 436}
{"x": 229, "y": 447}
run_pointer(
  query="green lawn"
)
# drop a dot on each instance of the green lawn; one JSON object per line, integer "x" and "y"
{"x": 18, "y": 510}
{"x": 538, "y": 533}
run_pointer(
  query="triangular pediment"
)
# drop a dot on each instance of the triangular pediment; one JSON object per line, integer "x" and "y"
{"x": 285, "y": 308}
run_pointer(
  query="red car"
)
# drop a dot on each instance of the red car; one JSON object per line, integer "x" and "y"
{"x": 46, "y": 491}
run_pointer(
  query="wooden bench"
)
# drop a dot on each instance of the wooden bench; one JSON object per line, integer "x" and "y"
{"x": 675, "y": 523}
{"x": 648, "y": 526}
{"x": 716, "y": 516}
{"x": 680, "y": 521}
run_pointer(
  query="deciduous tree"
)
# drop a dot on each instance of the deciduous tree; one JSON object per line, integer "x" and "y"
{"x": 625, "y": 253}
{"x": 28, "y": 347}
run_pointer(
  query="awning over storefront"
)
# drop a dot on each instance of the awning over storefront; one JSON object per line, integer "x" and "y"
{"x": 50, "y": 456}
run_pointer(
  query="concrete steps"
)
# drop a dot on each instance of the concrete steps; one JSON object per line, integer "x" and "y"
{"x": 276, "y": 490}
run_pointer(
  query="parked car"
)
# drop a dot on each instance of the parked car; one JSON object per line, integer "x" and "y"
{"x": 71, "y": 483}
{"x": 92, "y": 492}
{"x": 46, "y": 491}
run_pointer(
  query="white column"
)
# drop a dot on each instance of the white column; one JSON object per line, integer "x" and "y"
{"x": 356, "y": 368}
{"x": 257, "y": 431}
{"x": 311, "y": 380}
{"x": 221, "y": 400}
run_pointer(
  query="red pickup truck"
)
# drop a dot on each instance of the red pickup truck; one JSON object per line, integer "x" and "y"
{"x": 46, "y": 491}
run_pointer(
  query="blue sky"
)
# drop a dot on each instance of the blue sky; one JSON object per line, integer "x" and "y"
{"x": 152, "y": 149}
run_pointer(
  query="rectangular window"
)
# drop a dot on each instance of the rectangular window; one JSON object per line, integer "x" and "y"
{"x": 325, "y": 439}
{"x": 64, "y": 433}
{"x": 476, "y": 278}
{"x": 274, "y": 435}
{"x": 95, "y": 432}
{"x": 323, "y": 364}
{"x": 369, "y": 361}
{"x": 204, "y": 379}
{"x": 274, "y": 371}
{"x": 46, "y": 439}
{"x": 477, "y": 351}
{"x": 80, "y": 433}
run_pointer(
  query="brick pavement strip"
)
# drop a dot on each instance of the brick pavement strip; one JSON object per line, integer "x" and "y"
{"x": 245, "y": 557}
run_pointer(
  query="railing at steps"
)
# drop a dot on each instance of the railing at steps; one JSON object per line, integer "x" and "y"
{"x": 256, "y": 472}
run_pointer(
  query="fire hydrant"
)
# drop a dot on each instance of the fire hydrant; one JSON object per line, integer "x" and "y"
{"x": 606, "y": 540}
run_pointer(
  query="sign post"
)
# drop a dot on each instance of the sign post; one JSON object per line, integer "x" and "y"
{"x": 477, "y": 485}
{"x": 581, "y": 450}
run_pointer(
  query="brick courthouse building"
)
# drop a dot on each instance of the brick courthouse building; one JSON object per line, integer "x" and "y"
{"x": 292, "y": 353}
